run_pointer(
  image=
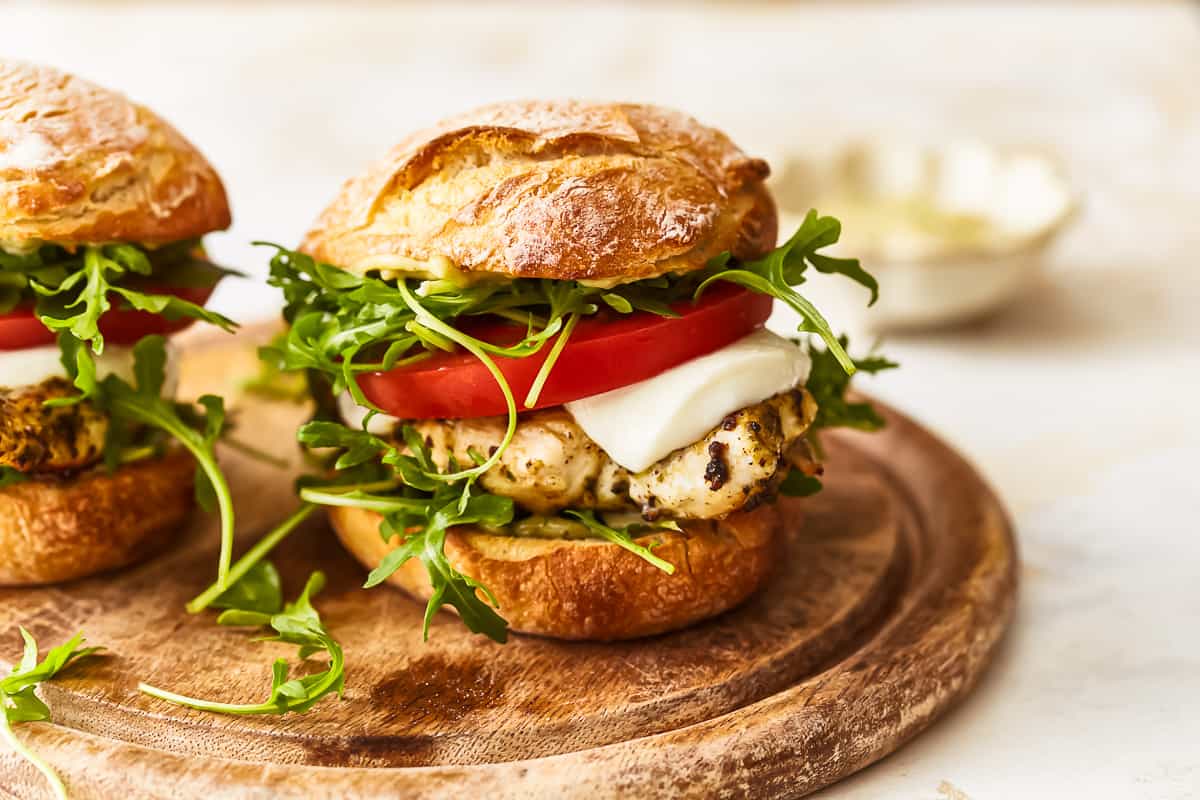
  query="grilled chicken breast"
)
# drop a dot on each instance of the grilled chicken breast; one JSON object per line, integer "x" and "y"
{"x": 34, "y": 438}
{"x": 552, "y": 464}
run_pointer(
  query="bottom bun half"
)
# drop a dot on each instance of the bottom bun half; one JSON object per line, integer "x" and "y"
{"x": 590, "y": 589}
{"x": 53, "y": 531}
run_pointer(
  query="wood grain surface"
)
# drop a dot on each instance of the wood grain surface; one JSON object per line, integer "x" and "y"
{"x": 898, "y": 582}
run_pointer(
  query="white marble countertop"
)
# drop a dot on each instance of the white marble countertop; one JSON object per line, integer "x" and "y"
{"x": 1081, "y": 404}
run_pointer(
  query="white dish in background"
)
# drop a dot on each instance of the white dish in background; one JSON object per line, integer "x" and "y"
{"x": 951, "y": 233}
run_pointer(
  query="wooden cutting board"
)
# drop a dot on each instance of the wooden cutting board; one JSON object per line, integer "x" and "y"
{"x": 898, "y": 582}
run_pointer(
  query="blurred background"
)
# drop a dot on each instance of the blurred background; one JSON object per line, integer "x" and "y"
{"x": 1050, "y": 148}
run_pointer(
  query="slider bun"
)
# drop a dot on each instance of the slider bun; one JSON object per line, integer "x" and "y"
{"x": 590, "y": 589}
{"x": 566, "y": 190}
{"x": 54, "y": 531}
{"x": 81, "y": 164}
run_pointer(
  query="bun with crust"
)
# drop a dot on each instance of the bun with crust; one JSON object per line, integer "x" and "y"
{"x": 588, "y": 589}
{"x": 53, "y": 531}
{"x": 80, "y": 164}
{"x": 566, "y": 190}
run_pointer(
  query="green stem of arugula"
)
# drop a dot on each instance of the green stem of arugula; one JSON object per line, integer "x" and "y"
{"x": 207, "y": 705}
{"x": 787, "y": 294}
{"x": 622, "y": 540}
{"x": 436, "y": 325}
{"x": 336, "y": 668}
{"x": 521, "y": 317}
{"x": 208, "y": 462}
{"x": 252, "y": 556}
{"x": 379, "y": 366}
{"x": 551, "y": 358}
{"x": 348, "y": 488}
{"x": 7, "y": 734}
{"x": 357, "y": 499}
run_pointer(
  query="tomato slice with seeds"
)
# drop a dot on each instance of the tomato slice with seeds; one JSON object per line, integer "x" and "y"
{"x": 604, "y": 352}
{"x": 20, "y": 329}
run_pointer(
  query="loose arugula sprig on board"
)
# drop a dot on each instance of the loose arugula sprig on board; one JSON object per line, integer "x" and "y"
{"x": 342, "y": 325}
{"x": 256, "y": 600}
{"x": 20, "y": 703}
{"x": 71, "y": 291}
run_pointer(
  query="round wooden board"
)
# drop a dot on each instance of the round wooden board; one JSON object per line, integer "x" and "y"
{"x": 898, "y": 582}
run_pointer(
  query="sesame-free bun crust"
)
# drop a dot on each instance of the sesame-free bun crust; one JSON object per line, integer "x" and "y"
{"x": 82, "y": 164}
{"x": 591, "y": 589}
{"x": 54, "y": 531}
{"x": 552, "y": 189}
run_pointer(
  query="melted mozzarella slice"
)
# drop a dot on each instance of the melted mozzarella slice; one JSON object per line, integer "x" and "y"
{"x": 640, "y": 424}
{"x": 34, "y": 365}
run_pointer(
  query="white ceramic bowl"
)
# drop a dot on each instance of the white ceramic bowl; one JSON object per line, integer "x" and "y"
{"x": 952, "y": 233}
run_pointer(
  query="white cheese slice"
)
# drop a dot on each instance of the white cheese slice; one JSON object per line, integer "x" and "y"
{"x": 639, "y": 424}
{"x": 34, "y": 365}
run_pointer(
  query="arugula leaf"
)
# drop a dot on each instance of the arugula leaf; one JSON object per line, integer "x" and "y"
{"x": 828, "y": 384}
{"x": 145, "y": 405}
{"x": 259, "y": 590}
{"x": 421, "y": 523}
{"x": 784, "y": 267}
{"x": 75, "y": 303}
{"x": 623, "y": 537}
{"x": 20, "y": 703}
{"x": 273, "y": 383}
{"x": 10, "y": 477}
{"x": 258, "y": 582}
{"x": 798, "y": 484}
{"x": 92, "y": 296}
{"x": 298, "y": 623}
{"x": 357, "y": 446}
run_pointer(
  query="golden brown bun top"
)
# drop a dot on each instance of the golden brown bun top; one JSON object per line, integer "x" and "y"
{"x": 552, "y": 189}
{"x": 82, "y": 164}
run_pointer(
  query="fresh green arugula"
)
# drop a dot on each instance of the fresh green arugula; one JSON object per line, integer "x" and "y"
{"x": 250, "y": 559}
{"x": 829, "y": 384}
{"x": 343, "y": 324}
{"x": 71, "y": 291}
{"x": 256, "y": 600}
{"x": 10, "y": 476}
{"x": 798, "y": 484}
{"x": 783, "y": 268}
{"x": 21, "y": 704}
{"x": 418, "y": 507}
{"x": 624, "y": 536}
{"x": 143, "y": 404}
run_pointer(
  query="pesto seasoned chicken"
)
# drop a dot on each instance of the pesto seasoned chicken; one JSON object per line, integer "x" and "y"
{"x": 552, "y": 464}
{"x": 39, "y": 439}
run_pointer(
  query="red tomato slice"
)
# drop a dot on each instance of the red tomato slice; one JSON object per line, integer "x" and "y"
{"x": 20, "y": 328}
{"x": 605, "y": 352}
